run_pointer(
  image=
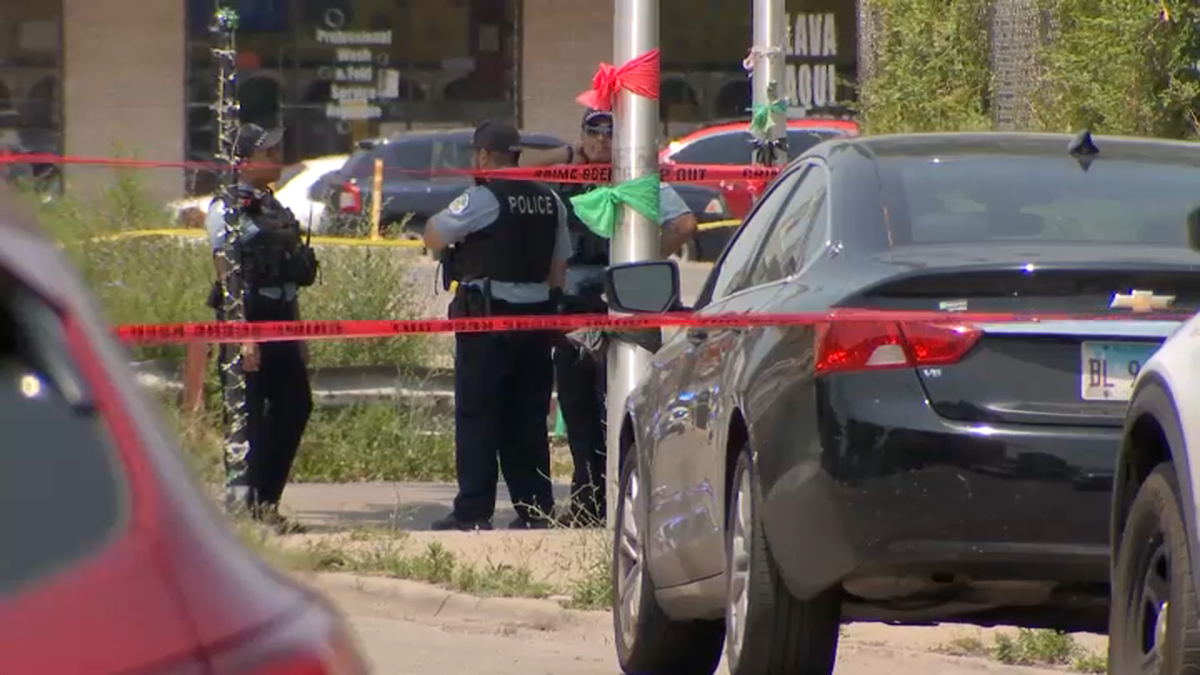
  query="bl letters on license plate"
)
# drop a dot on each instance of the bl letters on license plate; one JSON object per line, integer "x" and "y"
{"x": 1108, "y": 369}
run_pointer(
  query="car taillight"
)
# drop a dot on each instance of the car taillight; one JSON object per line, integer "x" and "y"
{"x": 715, "y": 206}
{"x": 350, "y": 199}
{"x": 873, "y": 345}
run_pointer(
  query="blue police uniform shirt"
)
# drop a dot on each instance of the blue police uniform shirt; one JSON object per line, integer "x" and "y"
{"x": 477, "y": 208}
{"x": 214, "y": 222}
{"x": 670, "y": 207}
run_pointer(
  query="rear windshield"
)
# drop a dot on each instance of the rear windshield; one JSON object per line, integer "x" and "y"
{"x": 998, "y": 198}
{"x": 61, "y": 492}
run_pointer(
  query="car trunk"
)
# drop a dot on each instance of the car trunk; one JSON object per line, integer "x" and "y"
{"x": 1067, "y": 372}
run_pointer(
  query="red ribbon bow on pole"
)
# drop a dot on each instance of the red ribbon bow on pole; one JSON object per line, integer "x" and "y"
{"x": 640, "y": 76}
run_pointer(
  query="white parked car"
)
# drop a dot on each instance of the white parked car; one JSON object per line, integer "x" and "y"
{"x": 298, "y": 188}
{"x": 1153, "y": 622}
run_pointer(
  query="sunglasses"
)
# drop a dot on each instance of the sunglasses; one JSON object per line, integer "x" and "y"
{"x": 604, "y": 131}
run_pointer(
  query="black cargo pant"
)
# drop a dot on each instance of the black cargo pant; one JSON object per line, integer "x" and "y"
{"x": 502, "y": 385}
{"x": 582, "y": 382}
{"x": 278, "y": 406}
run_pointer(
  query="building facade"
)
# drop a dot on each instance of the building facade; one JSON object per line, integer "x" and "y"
{"x": 135, "y": 77}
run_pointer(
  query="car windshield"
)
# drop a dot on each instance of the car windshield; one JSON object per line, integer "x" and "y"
{"x": 997, "y": 198}
{"x": 53, "y": 437}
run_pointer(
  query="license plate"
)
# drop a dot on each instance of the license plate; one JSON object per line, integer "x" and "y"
{"x": 1109, "y": 369}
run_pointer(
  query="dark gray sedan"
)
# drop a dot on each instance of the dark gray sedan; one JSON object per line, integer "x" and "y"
{"x": 778, "y": 481}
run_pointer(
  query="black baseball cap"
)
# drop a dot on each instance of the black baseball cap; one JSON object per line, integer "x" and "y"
{"x": 252, "y": 138}
{"x": 496, "y": 136}
{"x": 598, "y": 120}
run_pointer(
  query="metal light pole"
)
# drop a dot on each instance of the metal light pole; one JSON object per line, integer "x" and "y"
{"x": 233, "y": 377}
{"x": 635, "y": 154}
{"x": 770, "y": 32}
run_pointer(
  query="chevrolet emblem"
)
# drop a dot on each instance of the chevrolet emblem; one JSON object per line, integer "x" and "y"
{"x": 1141, "y": 301}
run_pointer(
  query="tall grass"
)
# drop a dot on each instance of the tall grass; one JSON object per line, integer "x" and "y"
{"x": 167, "y": 279}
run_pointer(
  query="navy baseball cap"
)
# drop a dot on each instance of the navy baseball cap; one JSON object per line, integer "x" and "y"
{"x": 598, "y": 120}
{"x": 252, "y": 138}
{"x": 496, "y": 136}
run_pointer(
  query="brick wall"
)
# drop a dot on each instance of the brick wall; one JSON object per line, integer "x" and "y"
{"x": 123, "y": 88}
{"x": 562, "y": 43}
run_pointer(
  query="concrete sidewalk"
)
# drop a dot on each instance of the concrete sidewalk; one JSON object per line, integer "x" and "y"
{"x": 407, "y": 506}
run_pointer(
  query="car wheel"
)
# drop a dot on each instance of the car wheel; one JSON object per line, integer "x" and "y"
{"x": 1153, "y": 624}
{"x": 648, "y": 641}
{"x": 768, "y": 630}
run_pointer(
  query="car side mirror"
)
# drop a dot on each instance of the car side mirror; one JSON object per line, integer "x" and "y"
{"x": 649, "y": 287}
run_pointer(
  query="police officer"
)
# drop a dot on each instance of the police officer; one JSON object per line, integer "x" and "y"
{"x": 509, "y": 250}
{"x": 580, "y": 374}
{"x": 275, "y": 262}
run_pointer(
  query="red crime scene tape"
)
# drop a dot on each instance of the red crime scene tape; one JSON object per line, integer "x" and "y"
{"x": 275, "y": 331}
{"x": 558, "y": 173}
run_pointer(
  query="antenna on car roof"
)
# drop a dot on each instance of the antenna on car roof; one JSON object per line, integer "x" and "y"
{"x": 1083, "y": 149}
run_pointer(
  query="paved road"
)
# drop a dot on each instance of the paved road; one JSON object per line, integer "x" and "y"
{"x": 407, "y": 506}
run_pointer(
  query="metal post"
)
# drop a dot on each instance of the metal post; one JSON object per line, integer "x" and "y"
{"x": 770, "y": 31}
{"x": 635, "y": 154}
{"x": 233, "y": 378}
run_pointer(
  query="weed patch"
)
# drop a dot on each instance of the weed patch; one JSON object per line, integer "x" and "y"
{"x": 1030, "y": 647}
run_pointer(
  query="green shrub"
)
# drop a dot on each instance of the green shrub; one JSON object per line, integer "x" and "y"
{"x": 932, "y": 68}
{"x": 1118, "y": 67}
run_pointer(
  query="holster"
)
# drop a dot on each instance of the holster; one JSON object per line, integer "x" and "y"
{"x": 449, "y": 268}
{"x": 472, "y": 301}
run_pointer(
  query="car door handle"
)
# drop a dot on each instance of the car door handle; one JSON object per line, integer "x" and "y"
{"x": 696, "y": 335}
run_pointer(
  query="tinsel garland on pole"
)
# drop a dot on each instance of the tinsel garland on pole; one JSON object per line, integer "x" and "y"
{"x": 233, "y": 377}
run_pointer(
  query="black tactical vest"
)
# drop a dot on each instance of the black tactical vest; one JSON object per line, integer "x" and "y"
{"x": 590, "y": 248}
{"x": 519, "y": 245}
{"x": 278, "y": 254}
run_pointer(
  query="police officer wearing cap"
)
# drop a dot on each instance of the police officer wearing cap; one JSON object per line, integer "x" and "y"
{"x": 507, "y": 242}
{"x": 581, "y": 374}
{"x": 276, "y": 262}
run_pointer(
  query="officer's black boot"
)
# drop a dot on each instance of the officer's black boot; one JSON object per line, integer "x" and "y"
{"x": 453, "y": 522}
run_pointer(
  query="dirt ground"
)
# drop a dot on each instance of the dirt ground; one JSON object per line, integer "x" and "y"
{"x": 560, "y": 641}
{"x": 405, "y": 630}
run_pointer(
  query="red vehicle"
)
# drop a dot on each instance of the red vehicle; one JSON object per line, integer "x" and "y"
{"x": 730, "y": 143}
{"x": 112, "y": 558}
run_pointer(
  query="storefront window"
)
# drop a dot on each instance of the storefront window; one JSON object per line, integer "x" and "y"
{"x": 335, "y": 72}
{"x": 705, "y": 41}
{"x": 30, "y": 85}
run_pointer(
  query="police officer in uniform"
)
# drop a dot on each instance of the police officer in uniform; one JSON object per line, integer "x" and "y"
{"x": 581, "y": 374}
{"x": 507, "y": 244}
{"x": 276, "y": 262}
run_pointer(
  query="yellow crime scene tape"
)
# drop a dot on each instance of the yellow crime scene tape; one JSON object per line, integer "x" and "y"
{"x": 718, "y": 224}
{"x": 321, "y": 239}
{"x": 333, "y": 241}
{"x": 201, "y": 234}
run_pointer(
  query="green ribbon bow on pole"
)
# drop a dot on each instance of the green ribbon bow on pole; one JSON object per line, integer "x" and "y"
{"x": 598, "y": 208}
{"x": 761, "y": 121}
